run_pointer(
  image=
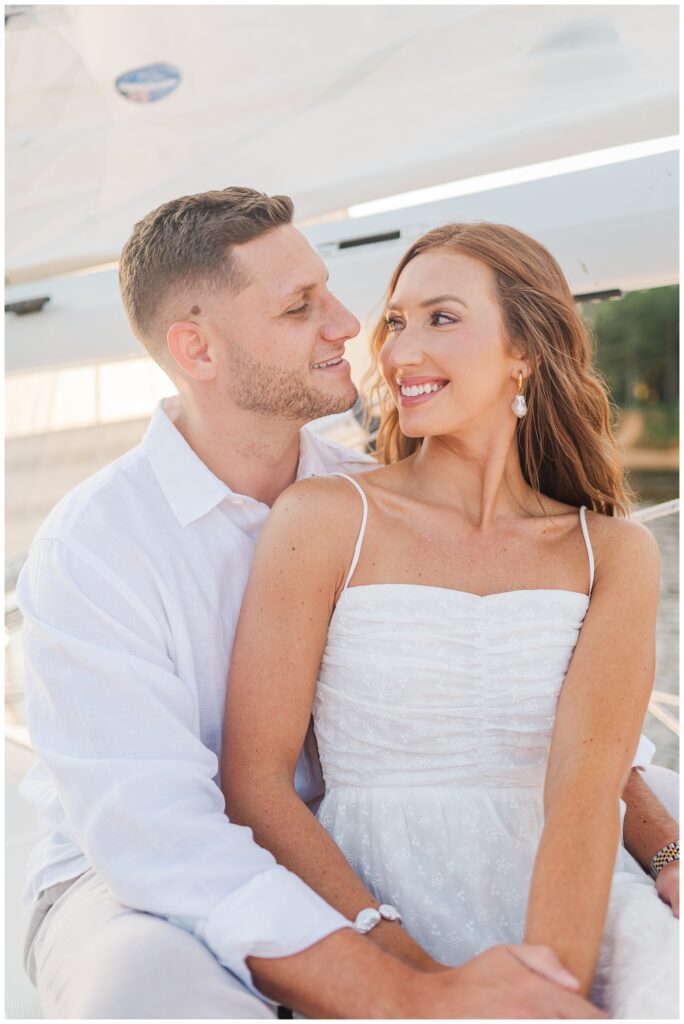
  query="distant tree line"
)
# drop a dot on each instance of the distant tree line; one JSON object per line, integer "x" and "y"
{"x": 637, "y": 346}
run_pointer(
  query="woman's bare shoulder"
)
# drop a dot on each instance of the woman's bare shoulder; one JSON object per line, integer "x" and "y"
{"x": 616, "y": 530}
{"x": 321, "y": 509}
{"x": 321, "y": 493}
{"x": 623, "y": 543}
{"x": 309, "y": 535}
{"x": 391, "y": 478}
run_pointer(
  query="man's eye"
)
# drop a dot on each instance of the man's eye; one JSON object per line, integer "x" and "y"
{"x": 299, "y": 310}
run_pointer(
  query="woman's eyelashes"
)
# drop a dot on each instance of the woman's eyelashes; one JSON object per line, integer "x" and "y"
{"x": 437, "y": 319}
{"x": 447, "y": 318}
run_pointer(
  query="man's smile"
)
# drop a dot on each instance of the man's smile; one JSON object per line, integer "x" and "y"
{"x": 337, "y": 364}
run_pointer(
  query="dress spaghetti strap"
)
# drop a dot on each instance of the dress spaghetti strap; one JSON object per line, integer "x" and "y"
{"x": 364, "y": 520}
{"x": 590, "y": 552}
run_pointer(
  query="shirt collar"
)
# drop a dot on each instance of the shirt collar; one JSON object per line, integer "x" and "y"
{"x": 189, "y": 486}
{"x": 312, "y": 452}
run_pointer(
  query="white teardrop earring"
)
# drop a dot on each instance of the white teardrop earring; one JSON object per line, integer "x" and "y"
{"x": 519, "y": 405}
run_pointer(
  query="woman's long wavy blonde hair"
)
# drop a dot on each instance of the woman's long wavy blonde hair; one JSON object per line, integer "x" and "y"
{"x": 566, "y": 443}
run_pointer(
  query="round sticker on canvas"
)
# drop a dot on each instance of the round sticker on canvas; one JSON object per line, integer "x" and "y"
{"x": 148, "y": 84}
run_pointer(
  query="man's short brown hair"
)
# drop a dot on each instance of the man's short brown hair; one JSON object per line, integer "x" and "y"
{"x": 185, "y": 244}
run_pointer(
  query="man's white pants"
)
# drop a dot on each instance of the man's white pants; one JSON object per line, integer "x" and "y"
{"x": 93, "y": 958}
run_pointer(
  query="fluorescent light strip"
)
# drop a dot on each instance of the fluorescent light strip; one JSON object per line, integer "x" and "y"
{"x": 517, "y": 175}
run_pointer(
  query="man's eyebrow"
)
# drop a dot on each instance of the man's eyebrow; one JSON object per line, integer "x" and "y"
{"x": 435, "y": 301}
{"x": 301, "y": 289}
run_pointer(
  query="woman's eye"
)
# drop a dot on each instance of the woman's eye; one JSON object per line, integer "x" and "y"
{"x": 393, "y": 323}
{"x": 445, "y": 319}
{"x": 299, "y": 310}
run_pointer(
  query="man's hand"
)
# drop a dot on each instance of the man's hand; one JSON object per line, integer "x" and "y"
{"x": 504, "y": 982}
{"x": 541, "y": 959}
{"x": 345, "y": 976}
{"x": 667, "y": 885}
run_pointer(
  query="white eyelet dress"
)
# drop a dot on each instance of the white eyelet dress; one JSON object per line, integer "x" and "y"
{"x": 433, "y": 715}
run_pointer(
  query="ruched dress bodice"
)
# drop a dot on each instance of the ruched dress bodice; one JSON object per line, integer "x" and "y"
{"x": 433, "y": 713}
{"x": 425, "y": 686}
{"x": 433, "y": 716}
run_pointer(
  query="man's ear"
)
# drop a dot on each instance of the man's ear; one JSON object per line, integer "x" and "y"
{"x": 190, "y": 349}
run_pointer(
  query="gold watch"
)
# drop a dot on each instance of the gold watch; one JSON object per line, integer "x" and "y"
{"x": 663, "y": 857}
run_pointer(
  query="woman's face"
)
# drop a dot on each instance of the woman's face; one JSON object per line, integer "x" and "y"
{"x": 446, "y": 337}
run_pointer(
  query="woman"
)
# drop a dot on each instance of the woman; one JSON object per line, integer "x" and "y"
{"x": 474, "y": 627}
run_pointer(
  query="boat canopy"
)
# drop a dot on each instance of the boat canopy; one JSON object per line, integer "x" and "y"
{"x": 113, "y": 109}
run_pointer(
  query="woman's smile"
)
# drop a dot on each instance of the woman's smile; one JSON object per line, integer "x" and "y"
{"x": 418, "y": 390}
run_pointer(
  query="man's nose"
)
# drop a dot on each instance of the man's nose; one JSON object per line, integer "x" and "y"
{"x": 340, "y": 323}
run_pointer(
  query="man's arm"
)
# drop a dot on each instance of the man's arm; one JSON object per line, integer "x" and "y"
{"x": 647, "y": 828}
{"x": 119, "y": 732}
{"x": 345, "y": 976}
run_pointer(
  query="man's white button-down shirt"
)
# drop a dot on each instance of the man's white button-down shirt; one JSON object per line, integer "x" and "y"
{"x": 130, "y": 595}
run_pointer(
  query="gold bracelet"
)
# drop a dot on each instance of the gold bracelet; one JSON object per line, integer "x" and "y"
{"x": 663, "y": 857}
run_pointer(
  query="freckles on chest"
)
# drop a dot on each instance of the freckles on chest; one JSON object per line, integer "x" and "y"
{"x": 538, "y": 555}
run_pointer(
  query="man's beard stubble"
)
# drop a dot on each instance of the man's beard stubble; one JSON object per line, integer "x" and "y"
{"x": 272, "y": 391}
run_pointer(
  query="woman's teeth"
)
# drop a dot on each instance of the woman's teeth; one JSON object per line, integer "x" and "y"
{"x": 419, "y": 389}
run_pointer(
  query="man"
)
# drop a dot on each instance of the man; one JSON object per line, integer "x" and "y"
{"x": 149, "y": 903}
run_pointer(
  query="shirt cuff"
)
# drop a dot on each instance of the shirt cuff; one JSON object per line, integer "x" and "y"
{"x": 644, "y": 752}
{"x": 274, "y": 915}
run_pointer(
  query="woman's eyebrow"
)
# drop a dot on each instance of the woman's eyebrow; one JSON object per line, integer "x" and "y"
{"x": 444, "y": 298}
{"x": 432, "y": 302}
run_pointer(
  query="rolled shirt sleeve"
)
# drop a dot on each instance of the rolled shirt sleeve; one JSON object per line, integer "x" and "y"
{"x": 119, "y": 732}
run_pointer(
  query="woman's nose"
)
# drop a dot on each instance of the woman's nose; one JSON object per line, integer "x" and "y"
{"x": 404, "y": 350}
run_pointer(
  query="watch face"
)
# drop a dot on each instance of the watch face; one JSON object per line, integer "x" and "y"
{"x": 389, "y": 913}
{"x": 367, "y": 919}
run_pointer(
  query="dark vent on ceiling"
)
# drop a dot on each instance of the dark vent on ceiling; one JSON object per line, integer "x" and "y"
{"x": 25, "y": 306}
{"x": 610, "y": 293}
{"x": 353, "y": 243}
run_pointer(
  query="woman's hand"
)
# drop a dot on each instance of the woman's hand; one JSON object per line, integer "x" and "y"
{"x": 667, "y": 886}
